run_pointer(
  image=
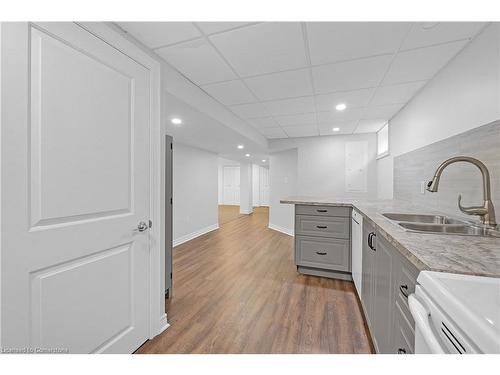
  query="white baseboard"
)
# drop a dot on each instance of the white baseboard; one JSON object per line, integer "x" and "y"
{"x": 193, "y": 235}
{"x": 287, "y": 231}
{"x": 163, "y": 323}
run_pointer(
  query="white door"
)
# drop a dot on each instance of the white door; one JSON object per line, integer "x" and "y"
{"x": 264, "y": 186}
{"x": 75, "y": 185}
{"x": 231, "y": 178}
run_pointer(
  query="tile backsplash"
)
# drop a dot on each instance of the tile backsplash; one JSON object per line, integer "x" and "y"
{"x": 412, "y": 168}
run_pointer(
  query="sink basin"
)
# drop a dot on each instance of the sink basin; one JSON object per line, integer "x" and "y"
{"x": 460, "y": 229}
{"x": 417, "y": 218}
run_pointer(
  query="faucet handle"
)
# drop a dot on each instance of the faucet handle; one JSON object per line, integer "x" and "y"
{"x": 473, "y": 210}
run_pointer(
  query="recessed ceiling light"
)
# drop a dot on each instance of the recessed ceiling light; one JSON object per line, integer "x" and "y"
{"x": 241, "y": 147}
{"x": 340, "y": 107}
{"x": 247, "y": 155}
{"x": 336, "y": 129}
{"x": 263, "y": 160}
{"x": 176, "y": 121}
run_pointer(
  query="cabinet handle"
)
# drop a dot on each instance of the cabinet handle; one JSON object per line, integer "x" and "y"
{"x": 321, "y": 252}
{"x": 321, "y": 226}
{"x": 401, "y": 351}
{"x": 404, "y": 290}
{"x": 321, "y": 210}
{"x": 370, "y": 240}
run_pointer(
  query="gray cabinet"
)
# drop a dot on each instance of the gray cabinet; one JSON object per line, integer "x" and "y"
{"x": 367, "y": 271}
{"x": 322, "y": 241}
{"x": 387, "y": 279}
{"x": 383, "y": 294}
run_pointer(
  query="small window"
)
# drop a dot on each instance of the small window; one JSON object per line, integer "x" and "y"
{"x": 383, "y": 141}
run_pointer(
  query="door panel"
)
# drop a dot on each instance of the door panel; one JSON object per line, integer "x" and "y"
{"x": 75, "y": 148}
{"x": 231, "y": 180}
{"x": 264, "y": 186}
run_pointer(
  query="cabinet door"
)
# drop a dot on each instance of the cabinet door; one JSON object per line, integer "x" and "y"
{"x": 383, "y": 302}
{"x": 367, "y": 274}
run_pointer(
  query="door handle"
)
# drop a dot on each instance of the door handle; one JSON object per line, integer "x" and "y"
{"x": 321, "y": 252}
{"x": 321, "y": 226}
{"x": 141, "y": 227}
{"x": 322, "y": 210}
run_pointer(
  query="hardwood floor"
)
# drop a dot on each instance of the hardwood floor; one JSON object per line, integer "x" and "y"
{"x": 236, "y": 290}
{"x": 228, "y": 213}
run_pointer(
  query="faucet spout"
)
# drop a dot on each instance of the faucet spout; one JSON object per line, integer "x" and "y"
{"x": 486, "y": 212}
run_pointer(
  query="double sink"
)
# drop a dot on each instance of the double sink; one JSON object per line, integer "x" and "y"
{"x": 438, "y": 224}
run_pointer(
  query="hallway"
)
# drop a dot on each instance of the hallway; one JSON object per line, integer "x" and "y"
{"x": 236, "y": 290}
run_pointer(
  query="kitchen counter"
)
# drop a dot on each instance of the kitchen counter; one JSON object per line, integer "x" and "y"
{"x": 471, "y": 255}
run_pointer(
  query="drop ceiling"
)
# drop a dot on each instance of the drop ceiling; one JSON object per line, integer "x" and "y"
{"x": 285, "y": 78}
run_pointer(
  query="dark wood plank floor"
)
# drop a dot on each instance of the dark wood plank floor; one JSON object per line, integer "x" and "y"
{"x": 236, "y": 290}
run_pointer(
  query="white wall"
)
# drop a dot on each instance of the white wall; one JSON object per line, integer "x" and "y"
{"x": 256, "y": 185}
{"x": 195, "y": 208}
{"x": 462, "y": 96}
{"x": 321, "y": 164}
{"x": 283, "y": 182}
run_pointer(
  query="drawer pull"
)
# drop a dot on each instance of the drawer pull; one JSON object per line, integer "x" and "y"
{"x": 321, "y": 252}
{"x": 401, "y": 351}
{"x": 321, "y": 226}
{"x": 322, "y": 210}
{"x": 370, "y": 240}
{"x": 404, "y": 290}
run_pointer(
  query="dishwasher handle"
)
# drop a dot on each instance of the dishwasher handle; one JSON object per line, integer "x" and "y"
{"x": 421, "y": 317}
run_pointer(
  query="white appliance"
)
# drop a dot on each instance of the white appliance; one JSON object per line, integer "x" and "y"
{"x": 357, "y": 248}
{"x": 456, "y": 313}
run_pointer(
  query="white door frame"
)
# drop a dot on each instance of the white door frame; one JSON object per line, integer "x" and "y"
{"x": 157, "y": 316}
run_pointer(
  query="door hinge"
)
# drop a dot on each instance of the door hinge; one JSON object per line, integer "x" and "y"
{"x": 171, "y": 146}
{"x": 170, "y": 200}
{"x": 170, "y": 274}
{"x": 150, "y": 223}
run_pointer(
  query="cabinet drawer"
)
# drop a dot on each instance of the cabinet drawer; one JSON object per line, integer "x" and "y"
{"x": 327, "y": 253}
{"x": 322, "y": 210}
{"x": 337, "y": 227}
{"x": 404, "y": 337}
{"x": 405, "y": 285}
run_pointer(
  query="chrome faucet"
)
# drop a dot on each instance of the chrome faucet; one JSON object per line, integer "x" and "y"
{"x": 486, "y": 212}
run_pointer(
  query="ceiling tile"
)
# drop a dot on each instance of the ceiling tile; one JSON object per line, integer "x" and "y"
{"x": 351, "y": 75}
{"x": 264, "y": 122}
{"x": 344, "y": 128}
{"x": 290, "y": 106}
{"x": 230, "y": 92}
{"x": 369, "y": 126}
{"x": 421, "y": 64}
{"x": 251, "y": 110}
{"x": 301, "y": 131}
{"x": 301, "y": 119}
{"x": 217, "y": 27}
{"x": 400, "y": 93}
{"x": 263, "y": 48}
{"x": 333, "y": 117}
{"x": 273, "y": 132}
{"x": 382, "y": 112}
{"x": 197, "y": 60}
{"x": 337, "y": 41}
{"x": 429, "y": 33}
{"x": 281, "y": 85}
{"x": 353, "y": 99}
{"x": 158, "y": 34}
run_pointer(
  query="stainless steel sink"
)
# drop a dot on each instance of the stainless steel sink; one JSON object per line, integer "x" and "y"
{"x": 460, "y": 229}
{"x": 417, "y": 218}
